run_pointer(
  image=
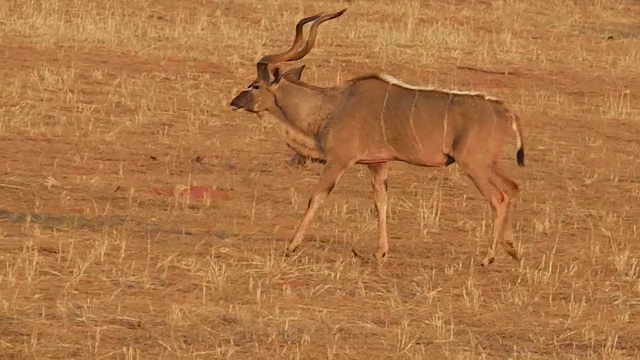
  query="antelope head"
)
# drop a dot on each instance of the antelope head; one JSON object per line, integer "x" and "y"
{"x": 260, "y": 96}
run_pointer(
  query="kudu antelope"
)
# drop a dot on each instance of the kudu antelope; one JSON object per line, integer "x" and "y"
{"x": 375, "y": 119}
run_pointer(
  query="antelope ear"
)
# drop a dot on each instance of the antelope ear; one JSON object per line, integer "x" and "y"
{"x": 294, "y": 74}
{"x": 263, "y": 72}
{"x": 277, "y": 74}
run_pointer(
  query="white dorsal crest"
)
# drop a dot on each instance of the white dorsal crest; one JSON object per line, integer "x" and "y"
{"x": 394, "y": 81}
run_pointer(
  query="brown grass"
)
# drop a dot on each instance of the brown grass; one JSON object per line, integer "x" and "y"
{"x": 110, "y": 110}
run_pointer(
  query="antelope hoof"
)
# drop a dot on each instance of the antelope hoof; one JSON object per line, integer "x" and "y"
{"x": 511, "y": 250}
{"x": 379, "y": 255}
{"x": 487, "y": 261}
{"x": 290, "y": 252}
{"x": 367, "y": 259}
{"x": 358, "y": 256}
{"x": 297, "y": 160}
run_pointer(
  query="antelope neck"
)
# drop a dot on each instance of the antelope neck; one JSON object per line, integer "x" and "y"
{"x": 297, "y": 106}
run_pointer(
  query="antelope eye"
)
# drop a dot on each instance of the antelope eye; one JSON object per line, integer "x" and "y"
{"x": 254, "y": 86}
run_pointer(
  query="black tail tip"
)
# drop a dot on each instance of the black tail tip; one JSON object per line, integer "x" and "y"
{"x": 520, "y": 157}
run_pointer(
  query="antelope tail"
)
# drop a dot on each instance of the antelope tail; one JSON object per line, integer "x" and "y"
{"x": 517, "y": 128}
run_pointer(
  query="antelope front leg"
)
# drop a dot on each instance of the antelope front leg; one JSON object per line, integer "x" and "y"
{"x": 328, "y": 180}
{"x": 379, "y": 181}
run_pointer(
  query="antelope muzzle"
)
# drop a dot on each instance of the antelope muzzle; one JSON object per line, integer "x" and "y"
{"x": 240, "y": 101}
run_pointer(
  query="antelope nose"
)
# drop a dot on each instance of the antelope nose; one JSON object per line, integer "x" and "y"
{"x": 234, "y": 105}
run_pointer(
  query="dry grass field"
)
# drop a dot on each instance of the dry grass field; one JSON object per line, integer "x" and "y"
{"x": 110, "y": 110}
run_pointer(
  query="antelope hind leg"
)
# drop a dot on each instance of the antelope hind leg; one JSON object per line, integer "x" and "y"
{"x": 484, "y": 181}
{"x": 512, "y": 189}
